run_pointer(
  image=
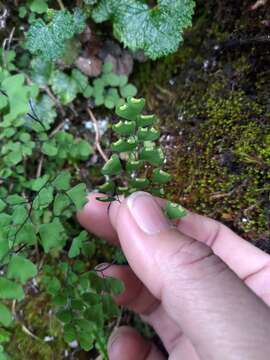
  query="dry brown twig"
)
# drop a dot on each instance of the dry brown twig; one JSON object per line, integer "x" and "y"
{"x": 98, "y": 137}
{"x": 258, "y": 4}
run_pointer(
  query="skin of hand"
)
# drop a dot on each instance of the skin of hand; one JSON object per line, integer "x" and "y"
{"x": 205, "y": 290}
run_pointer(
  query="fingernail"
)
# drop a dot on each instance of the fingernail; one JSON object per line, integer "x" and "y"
{"x": 147, "y": 214}
{"x": 102, "y": 267}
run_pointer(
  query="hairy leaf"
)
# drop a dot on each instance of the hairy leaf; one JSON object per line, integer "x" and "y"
{"x": 49, "y": 40}
{"x": 158, "y": 30}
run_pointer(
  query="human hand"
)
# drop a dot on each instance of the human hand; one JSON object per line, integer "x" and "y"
{"x": 204, "y": 289}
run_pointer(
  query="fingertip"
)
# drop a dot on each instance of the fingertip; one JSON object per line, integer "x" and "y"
{"x": 127, "y": 343}
{"x": 94, "y": 218}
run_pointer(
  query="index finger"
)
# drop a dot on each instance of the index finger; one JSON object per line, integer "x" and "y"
{"x": 94, "y": 218}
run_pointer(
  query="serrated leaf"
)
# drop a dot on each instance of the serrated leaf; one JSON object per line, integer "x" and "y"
{"x": 158, "y": 30}
{"x": 5, "y": 315}
{"x": 174, "y": 211}
{"x": 9, "y": 290}
{"x": 21, "y": 269}
{"x": 49, "y": 40}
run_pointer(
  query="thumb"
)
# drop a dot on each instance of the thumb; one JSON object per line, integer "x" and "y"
{"x": 197, "y": 289}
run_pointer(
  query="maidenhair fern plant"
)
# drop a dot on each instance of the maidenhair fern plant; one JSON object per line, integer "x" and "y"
{"x": 137, "y": 159}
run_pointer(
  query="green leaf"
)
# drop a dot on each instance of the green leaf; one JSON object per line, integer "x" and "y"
{"x": 108, "y": 186}
{"x": 161, "y": 177}
{"x": 146, "y": 134}
{"x": 128, "y": 90}
{"x": 61, "y": 202}
{"x": 65, "y": 316}
{"x": 4, "y": 336}
{"x": 131, "y": 110}
{"x": 21, "y": 269}
{"x": 107, "y": 67}
{"x": 84, "y": 149}
{"x": 174, "y": 211}
{"x": 70, "y": 333}
{"x": 112, "y": 166}
{"x": 77, "y": 243}
{"x": 15, "y": 199}
{"x": 152, "y": 155}
{"x": 20, "y": 214}
{"x": 9, "y": 290}
{"x": 62, "y": 181}
{"x": 95, "y": 315}
{"x": 125, "y": 128}
{"x": 146, "y": 120}
{"x": 49, "y": 149}
{"x": 64, "y": 87}
{"x": 133, "y": 165}
{"x": 81, "y": 80}
{"x": 139, "y": 184}
{"x": 2, "y": 205}
{"x": 5, "y": 315}
{"x": 38, "y": 6}
{"x": 51, "y": 235}
{"x": 158, "y": 30}
{"x": 38, "y": 184}
{"x": 49, "y": 40}
{"x": 78, "y": 195}
{"x": 26, "y": 235}
{"x": 122, "y": 145}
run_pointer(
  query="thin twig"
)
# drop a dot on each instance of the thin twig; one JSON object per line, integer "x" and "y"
{"x": 7, "y": 42}
{"x": 57, "y": 129}
{"x": 40, "y": 165}
{"x": 61, "y": 5}
{"x": 49, "y": 93}
{"x": 258, "y": 4}
{"x": 98, "y": 137}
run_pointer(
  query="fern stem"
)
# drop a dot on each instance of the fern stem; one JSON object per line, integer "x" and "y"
{"x": 61, "y": 5}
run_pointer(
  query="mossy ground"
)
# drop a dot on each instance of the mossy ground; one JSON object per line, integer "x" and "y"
{"x": 212, "y": 98}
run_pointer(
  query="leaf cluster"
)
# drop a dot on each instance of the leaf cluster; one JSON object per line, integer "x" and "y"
{"x": 158, "y": 30}
{"x": 137, "y": 159}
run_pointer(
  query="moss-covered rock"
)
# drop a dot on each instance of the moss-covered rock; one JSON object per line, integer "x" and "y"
{"x": 212, "y": 97}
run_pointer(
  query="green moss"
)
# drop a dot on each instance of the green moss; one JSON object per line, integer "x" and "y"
{"x": 35, "y": 323}
{"x": 214, "y": 108}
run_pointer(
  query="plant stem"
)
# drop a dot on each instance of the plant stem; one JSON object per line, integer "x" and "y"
{"x": 61, "y": 5}
{"x": 98, "y": 145}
